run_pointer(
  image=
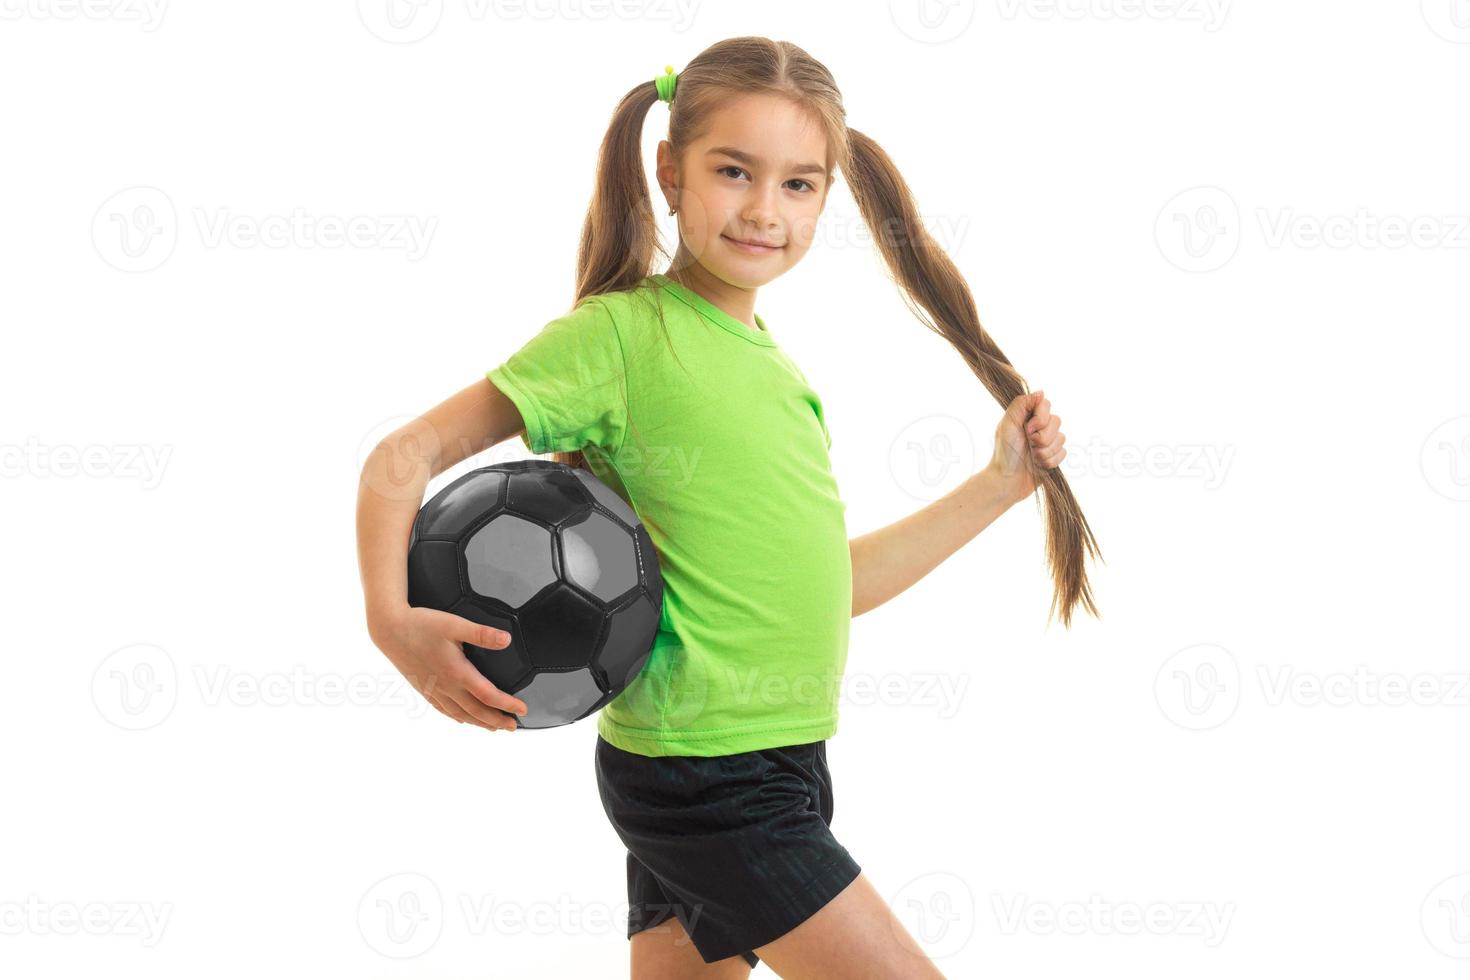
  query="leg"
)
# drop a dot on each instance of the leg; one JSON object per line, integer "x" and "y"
{"x": 856, "y": 937}
{"x": 665, "y": 952}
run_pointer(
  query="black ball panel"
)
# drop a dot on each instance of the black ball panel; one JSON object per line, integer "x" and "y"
{"x": 561, "y": 628}
{"x": 433, "y": 574}
{"x": 551, "y": 497}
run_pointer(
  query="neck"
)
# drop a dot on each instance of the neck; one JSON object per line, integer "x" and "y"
{"x": 738, "y": 302}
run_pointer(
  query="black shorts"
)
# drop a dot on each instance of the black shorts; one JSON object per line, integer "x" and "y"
{"x": 738, "y": 847}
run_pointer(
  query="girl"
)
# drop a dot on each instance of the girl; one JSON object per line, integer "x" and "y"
{"x": 712, "y": 765}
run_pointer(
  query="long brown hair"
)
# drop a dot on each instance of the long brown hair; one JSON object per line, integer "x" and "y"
{"x": 620, "y": 241}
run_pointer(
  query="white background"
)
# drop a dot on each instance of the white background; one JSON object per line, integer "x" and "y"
{"x": 1185, "y": 220}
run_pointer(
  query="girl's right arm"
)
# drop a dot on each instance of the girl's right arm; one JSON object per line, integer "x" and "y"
{"x": 423, "y": 643}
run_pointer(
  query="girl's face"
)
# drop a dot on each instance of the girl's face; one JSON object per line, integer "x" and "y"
{"x": 756, "y": 177}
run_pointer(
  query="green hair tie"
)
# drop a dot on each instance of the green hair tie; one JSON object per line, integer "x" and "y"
{"x": 665, "y": 83}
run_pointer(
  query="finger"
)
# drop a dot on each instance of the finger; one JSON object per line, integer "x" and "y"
{"x": 452, "y": 710}
{"x": 490, "y": 717}
{"x": 1047, "y": 434}
{"x": 1040, "y": 417}
{"x": 463, "y": 630}
{"x": 1051, "y": 458}
{"x": 1022, "y": 405}
{"x": 490, "y": 695}
{"x": 1048, "y": 450}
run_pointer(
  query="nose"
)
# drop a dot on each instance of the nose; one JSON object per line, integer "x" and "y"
{"x": 760, "y": 209}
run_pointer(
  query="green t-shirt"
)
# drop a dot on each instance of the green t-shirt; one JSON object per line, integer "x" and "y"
{"x": 714, "y": 437}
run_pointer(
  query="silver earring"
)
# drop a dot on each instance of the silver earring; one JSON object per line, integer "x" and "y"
{"x": 672, "y": 210}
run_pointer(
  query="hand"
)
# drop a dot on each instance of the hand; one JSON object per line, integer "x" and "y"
{"x": 1028, "y": 439}
{"x": 424, "y": 644}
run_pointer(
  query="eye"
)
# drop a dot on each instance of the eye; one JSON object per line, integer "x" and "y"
{"x": 794, "y": 180}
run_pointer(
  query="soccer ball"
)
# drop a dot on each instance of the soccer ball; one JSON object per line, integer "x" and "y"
{"x": 550, "y": 554}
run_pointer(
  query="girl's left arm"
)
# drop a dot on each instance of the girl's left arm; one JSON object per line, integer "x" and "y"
{"x": 887, "y": 561}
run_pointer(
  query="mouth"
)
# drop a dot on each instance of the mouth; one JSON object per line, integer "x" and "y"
{"x": 753, "y": 247}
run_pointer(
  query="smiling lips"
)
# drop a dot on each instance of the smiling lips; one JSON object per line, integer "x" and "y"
{"x": 754, "y": 247}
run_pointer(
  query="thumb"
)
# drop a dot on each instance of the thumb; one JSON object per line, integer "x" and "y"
{"x": 1022, "y": 406}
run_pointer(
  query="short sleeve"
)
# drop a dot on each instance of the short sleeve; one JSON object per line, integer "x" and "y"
{"x": 569, "y": 382}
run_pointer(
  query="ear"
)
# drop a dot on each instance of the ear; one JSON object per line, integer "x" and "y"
{"x": 666, "y": 171}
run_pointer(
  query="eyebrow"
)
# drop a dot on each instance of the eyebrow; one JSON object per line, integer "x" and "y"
{"x": 754, "y": 161}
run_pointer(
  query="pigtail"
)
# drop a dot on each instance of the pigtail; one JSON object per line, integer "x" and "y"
{"x": 938, "y": 296}
{"x": 619, "y": 234}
